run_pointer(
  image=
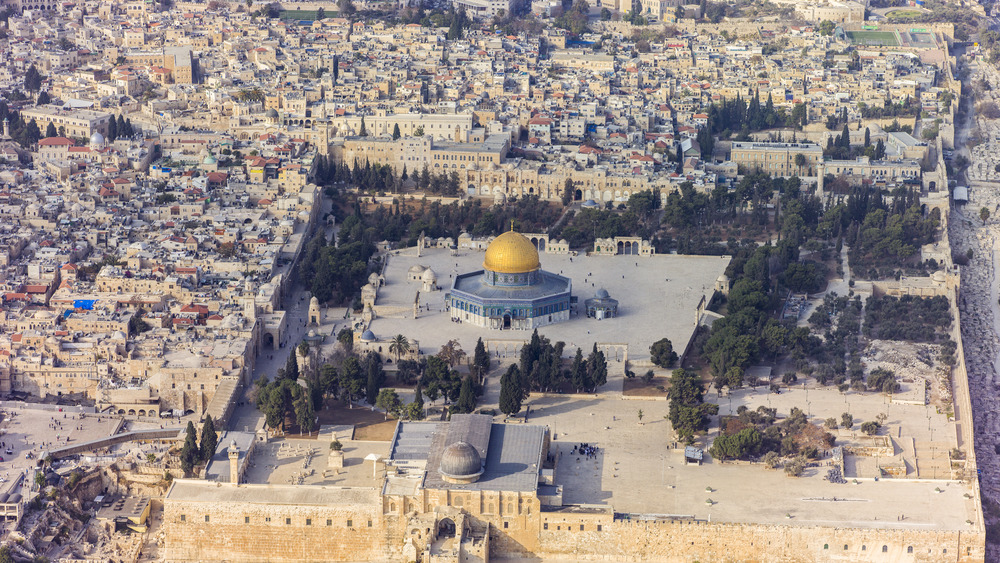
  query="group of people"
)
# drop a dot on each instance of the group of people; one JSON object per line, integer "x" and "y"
{"x": 586, "y": 450}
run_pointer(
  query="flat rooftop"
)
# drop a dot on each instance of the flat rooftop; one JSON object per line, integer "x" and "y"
{"x": 657, "y": 297}
{"x": 193, "y": 490}
{"x": 305, "y": 462}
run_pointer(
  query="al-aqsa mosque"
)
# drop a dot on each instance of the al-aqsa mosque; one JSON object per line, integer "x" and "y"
{"x": 511, "y": 291}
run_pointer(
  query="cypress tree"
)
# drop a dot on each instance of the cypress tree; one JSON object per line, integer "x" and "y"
{"x": 579, "y": 372}
{"x": 395, "y": 132}
{"x": 466, "y": 402}
{"x": 597, "y": 368}
{"x": 845, "y": 137}
{"x": 364, "y": 130}
{"x": 209, "y": 439}
{"x": 112, "y": 130}
{"x": 868, "y": 136}
{"x": 292, "y": 366}
{"x": 481, "y": 360}
{"x": 190, "y": 452}
{"x": 510, "y": 391}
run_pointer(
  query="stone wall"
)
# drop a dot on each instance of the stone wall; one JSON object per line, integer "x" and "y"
{"x": 275, "y": 532}
{"x": 632, "y": 540}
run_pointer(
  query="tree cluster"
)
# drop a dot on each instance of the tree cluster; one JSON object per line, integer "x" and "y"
{"x": 910, "y": 318}
{"x": 574, "y": 20}
{"x": 754, "y": 434}
{"x": 883, "y": 233}
{"x": 738, "y": 116}
{"x": 688, "y": 413}
{"x": 193, "y": 453}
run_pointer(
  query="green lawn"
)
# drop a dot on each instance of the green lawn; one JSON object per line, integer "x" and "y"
{"x": 886, "y": 38}
{"x": 903, "y": 14}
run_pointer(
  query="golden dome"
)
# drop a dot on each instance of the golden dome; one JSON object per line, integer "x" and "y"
{"x": 511, "y": 253}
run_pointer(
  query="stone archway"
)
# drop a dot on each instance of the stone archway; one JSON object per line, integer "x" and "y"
{"x": 506, "y": 321}
{"x": 577, "y": 195}
{"x": 621, "y": 248}
{"x": 446, "y": 528}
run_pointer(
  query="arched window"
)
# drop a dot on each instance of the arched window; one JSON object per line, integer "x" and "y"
{"x": 885, "y": 549}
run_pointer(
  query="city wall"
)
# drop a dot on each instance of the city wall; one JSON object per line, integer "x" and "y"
{"x": 668, "y": 540}
{"x": 257, "y": 531}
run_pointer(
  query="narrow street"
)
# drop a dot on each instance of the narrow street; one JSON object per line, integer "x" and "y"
{"x": 246, "y": 417}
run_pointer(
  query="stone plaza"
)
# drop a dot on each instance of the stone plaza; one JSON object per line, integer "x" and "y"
{"x": 658, "y": 297}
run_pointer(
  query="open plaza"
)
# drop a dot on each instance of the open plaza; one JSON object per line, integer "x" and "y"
{"x": 658, "y": 296}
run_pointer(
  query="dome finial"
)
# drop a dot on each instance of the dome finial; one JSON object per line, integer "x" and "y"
{"x": 511, "y": 224}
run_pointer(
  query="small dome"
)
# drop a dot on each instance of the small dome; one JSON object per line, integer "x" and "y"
{"x": 118, "y": 335}
{"x": 563, "y": 241}
{"x": 428, "y": 275}
{"x": 416, "y": 269}
{"x": 314, "y": 301}
{"x": 602, "y": 293}
{"x": 233, "y": 447}
{"x": 209, "y": 159}
{"x": 511, "y": 253}
{"x": 272, "y": 113}
{"x": 97, "y": 138}
{"x": 589, "y": 203}
{"x": 368, "y": 336}
{"x": 461, "y": 461}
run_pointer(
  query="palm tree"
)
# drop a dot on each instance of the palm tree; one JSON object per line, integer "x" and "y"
{"x": 399, "y": 346}
{"x": 800, "y": 161}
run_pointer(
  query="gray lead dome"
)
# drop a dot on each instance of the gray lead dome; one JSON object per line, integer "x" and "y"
{"x": 461, "y": 461}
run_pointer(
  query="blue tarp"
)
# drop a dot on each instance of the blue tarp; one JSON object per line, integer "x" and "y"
{"x": 85, "y": 304}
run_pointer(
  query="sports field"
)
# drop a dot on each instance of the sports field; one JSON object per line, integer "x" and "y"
{"x": 884, "y": 38}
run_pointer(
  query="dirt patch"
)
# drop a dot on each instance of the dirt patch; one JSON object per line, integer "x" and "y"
{"x": 636, "y": 387}
{"x": 368, "y": 424}
{"x": 380, "y": 432}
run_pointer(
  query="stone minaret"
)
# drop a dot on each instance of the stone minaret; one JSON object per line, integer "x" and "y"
{"x": 234, "y": 463}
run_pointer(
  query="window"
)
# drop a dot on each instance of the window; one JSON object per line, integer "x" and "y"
{"x": 246, "y": 519}
{"x": 329, "y": 522}
{"x": 350, "y": 523}
{"x": 183, "y": 518}
{"x": 267, "y": 519}
{"x": 506, "y": 525}
{"x": 909, "y": 549}
{"x": 309, "y": 521}
{"x": 288, "y": 521}
{"x": 599, "y": 527}
{"x": 545, "y": 526}
{"x": 826, "y": 546}
{"x": 369, "y": 523}
{"x": 885, "y": 549}
{"x": 845, "y": 547}
{"x": 206, "y": 517}
{"x": 581, "y": 527}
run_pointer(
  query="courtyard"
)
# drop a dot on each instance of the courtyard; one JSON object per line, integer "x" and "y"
{"x": 658, "y": 297}
{"x": 636, "y": 469}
